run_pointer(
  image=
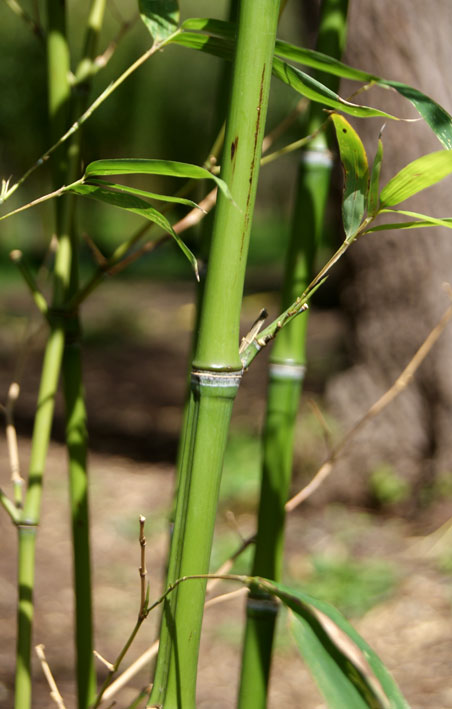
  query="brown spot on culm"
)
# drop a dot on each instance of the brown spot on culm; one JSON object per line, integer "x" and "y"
{"x": 234, "y": 146}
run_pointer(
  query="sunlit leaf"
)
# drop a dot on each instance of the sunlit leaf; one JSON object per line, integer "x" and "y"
{"x": 348, "y": 672}
{"x": 373, "y": 200}
{"x": 315, "y": 91}
{"x": 145, "y": 193}
{"x": 133, "y": 204}
{"x": 434, "y": 115}
{"x": 222, "y": 46}
{"x": 416, "y": 176}
{"x": 161, "y": 17}
{"x": 356, "y": 174}
{"x": 422, "y": 220}
{"x": 171, "y": 168}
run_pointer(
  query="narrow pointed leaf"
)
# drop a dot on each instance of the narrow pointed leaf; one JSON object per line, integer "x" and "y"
{"x": 333, "y": 649}
{"x": 145, "y": 193}
{"x": 416, "y": 176}
{"x": 315, "y": 91}
{"x": 356, "y": 174}
{"x": 302, "y": 83}
{"x": 135, "y": 205}
{"x": 434, "y": 115}
{"x": 171, "y": 168}
{"x": 373, "y": 200}
{"x": 161, "y": 17}
{"x": 422, "y": 220}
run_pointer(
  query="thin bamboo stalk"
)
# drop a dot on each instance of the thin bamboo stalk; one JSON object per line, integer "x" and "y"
{"x": 217, "y": 367}
{"x": 75, "y": 412}
{"x": 286, "y": 373}
{"x": 58, "y": 59}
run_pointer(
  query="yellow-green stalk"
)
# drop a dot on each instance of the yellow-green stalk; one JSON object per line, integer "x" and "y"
{"x": 216, "y": 370}
{"x": 286, "y": 373}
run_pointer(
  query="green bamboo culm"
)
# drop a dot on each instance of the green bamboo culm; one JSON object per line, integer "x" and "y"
{"x": 216, "y": 370}
{"x": 58, "y": 60}
{"x": 74, "y": 402}
{"x": 286, "y": 373}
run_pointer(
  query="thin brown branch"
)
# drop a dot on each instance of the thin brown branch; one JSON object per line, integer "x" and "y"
{"x": 102, "y": 59}
{"x": 399, "y": 385}
{"x": 142, "y": 570}
{"x": 54, "y": 693}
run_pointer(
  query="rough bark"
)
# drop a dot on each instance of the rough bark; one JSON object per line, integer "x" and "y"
{"x": 393, "y": 293}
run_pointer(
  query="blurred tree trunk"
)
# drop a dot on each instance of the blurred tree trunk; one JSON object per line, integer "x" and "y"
{"x": 393, "y": 291}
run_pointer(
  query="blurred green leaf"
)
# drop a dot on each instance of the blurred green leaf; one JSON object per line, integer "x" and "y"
{"x": 416, "y": 176}
{"x": 354, "y": 161}
{"x": 373, "y": 200}
{"x": 348, "y": 672}
{"x": 171, "y": 168}
{"x": 135, "y": 205}
{"x": 161, "y": 17}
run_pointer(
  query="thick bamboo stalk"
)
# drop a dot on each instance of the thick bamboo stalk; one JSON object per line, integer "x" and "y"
{"x": 286, "y": 372}
{"x": 216, "y": 366}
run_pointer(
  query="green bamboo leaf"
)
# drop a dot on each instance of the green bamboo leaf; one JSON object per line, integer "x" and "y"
{"x": 416, "y": 176}
{"x": 348, "y": 672}
{"x": 135, "y": 205}
{"x": 315, "y": 91}
{"x": 422, "y": 220}
{"x": 161, "y": 17}
{"x": 222, "y": 46}
{"x": 144, "y": 193}
{"x": 354, "y": 161}
{"x": 374, "y": 186}
{"x": 126, "y": 166}
{"x": 434, "y": 115}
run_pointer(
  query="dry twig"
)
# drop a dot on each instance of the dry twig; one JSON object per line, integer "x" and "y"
{"x": 54, "y": 693}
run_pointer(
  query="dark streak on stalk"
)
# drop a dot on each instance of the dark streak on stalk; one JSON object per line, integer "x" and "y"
{"x": 256, "y": 136}
{"x": 234, "y": 147}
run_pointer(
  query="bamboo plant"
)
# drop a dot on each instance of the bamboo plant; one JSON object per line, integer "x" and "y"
{"x": 217, "y": 367}
{"x": 348, "y": 672}
{"x": 286, "y": 373}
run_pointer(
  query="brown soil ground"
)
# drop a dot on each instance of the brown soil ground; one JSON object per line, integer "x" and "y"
{"x": 135, "y": 387}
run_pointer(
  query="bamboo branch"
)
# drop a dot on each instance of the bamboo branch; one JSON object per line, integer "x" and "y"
{"x": 17, "y": 258}
{"x": 399, "y": 385}
{"x": 87, "y": 114}
{"x": 142, "y": 570}
{"x": 54, "y": 693}
{"x": 28, "y": 19}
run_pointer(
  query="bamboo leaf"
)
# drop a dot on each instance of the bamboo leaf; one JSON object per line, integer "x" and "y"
{"x": 161, "y": 17}
{"x": 416, "y": 176}
{"x": 135, "y": 205}
{"x": 373, "y": 200}
{"x": 348, "y": 672}
{"x": 434, "y": 115}
{"x": 171, "y": 168}
{"x": 144, "y": 193}
{"x": 315, "y": 91}
{"x": 354, "y": 161}
{"x": 422, "y": 220}
{"x": 222, "y": 46}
